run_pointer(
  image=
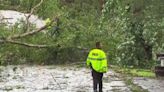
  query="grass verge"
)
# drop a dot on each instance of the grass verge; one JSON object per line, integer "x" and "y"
{"x": 134, "y": 72}
{"x": 128, "y": 74}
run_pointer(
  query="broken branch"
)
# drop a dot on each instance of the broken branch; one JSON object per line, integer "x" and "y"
{"x": 27, "y": 44}
{"x": 32, "y": 10}
{"x": 29, "y": 33}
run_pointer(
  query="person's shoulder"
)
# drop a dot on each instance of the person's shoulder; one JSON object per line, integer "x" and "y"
{"x": 96, "y": 50}
{"x": 101, "y": 51}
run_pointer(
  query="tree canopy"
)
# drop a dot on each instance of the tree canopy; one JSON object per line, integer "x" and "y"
{"x": 131, "y": 31}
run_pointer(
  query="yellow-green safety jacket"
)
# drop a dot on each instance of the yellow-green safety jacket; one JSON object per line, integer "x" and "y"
{"x": 47, "y": 22}
{"x": 98, "y": 61}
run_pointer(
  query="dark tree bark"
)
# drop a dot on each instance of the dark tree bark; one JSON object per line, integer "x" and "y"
{"x": 102, "y": 2}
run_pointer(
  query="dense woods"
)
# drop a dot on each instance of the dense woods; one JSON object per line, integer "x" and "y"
{"x": 131, "y": 31}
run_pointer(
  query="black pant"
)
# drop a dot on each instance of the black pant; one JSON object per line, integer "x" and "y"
{"x": 97, "y": 80}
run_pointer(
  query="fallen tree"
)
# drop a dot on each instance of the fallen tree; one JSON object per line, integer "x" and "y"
{"x": 13, "y": 39}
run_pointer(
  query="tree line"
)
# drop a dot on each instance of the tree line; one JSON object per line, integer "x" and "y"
{"x": 131, "y": 31}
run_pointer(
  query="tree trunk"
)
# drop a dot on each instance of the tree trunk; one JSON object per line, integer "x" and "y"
{"x": 102, "y": 2}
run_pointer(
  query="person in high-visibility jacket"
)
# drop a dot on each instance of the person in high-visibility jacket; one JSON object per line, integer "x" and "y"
{"x": 98, "y": 62}
{"x": 54, "y": 27}
{"x": 47, "y": 22}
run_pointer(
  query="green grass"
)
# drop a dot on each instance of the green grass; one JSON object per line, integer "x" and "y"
{"x": 142, "y": 72}
{"x": 129, "y": 73}
{"x": 135, "y": 72}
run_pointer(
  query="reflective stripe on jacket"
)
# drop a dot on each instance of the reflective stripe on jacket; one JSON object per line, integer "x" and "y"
{"x": 97, "y": 59}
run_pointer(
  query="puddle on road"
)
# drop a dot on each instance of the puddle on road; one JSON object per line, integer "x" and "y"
{"x": 54, "y": 79}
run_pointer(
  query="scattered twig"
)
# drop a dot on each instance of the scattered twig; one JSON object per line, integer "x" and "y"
{"x": 56, "y": 81}
{"x": 32, "y": 10}
{"x": 3, "y": 19}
